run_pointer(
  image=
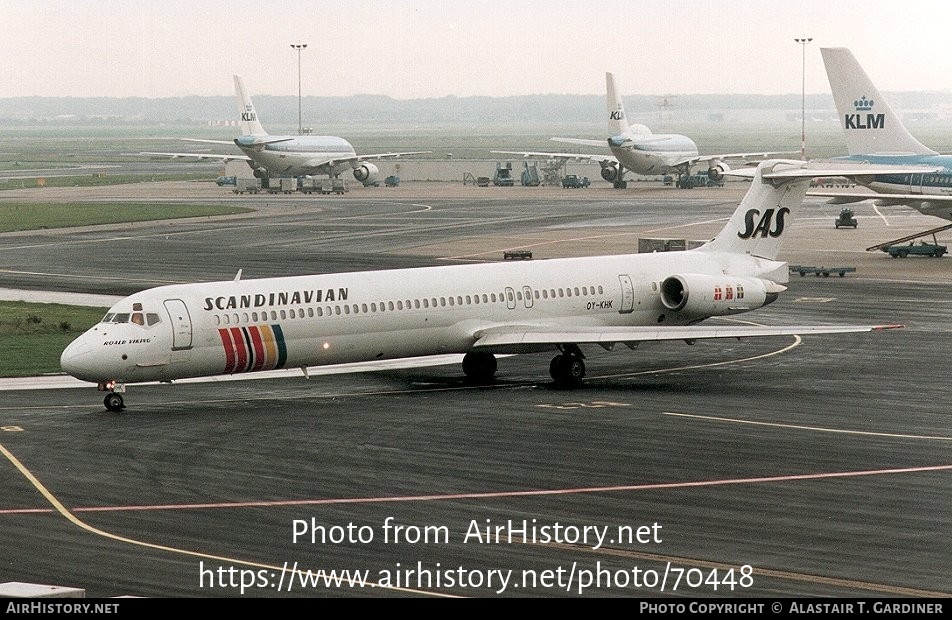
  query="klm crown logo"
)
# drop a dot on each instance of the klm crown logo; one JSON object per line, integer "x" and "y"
{"x": 863, "y": 104}
{"x": 864, "y": 121}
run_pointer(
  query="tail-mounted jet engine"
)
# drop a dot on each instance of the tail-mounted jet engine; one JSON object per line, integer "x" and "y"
{"x": 701, "y": 295}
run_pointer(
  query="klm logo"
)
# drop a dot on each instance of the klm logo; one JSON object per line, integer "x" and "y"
{"x": 248, "y": 116}
{"x": 617, "y": 115}
{"x": 871, "y": 121}
{"x": 766, "y": 225}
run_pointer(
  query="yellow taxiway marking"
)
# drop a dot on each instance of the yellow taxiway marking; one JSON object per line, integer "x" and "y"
{"x": 60, "y": 508}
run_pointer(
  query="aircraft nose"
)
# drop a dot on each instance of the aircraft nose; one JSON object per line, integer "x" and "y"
{"x": 77, "y": 359}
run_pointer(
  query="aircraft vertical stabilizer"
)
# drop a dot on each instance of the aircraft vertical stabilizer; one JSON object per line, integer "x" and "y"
{"x": 247, "y": 115}
{"x": 758, "y": 224}
{"x": 870, "y": 124}
{"x": 617, "y": 123}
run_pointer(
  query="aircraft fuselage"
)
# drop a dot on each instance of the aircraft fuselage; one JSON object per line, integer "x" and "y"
{"x": 203, "y": 329}
{"x": 298, "y": 155}
{"x": 659, "y": 154}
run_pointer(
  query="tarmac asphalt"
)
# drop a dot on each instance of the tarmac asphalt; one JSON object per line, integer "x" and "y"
{"x": 801, "y": 467}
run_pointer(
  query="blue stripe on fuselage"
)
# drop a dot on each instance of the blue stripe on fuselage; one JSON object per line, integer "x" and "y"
{"x": 942, "y": 178}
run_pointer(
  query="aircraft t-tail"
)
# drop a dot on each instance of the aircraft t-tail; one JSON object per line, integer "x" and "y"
{"x": 874, "y": 133}
{"x": 291, "y": 156}
{"x": 238, "y": 326}
{"x": 636, "y": 148}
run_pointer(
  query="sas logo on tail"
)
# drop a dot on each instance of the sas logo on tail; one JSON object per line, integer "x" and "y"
{"x": 766, "y": 225}
{"x": 871, "y": 121}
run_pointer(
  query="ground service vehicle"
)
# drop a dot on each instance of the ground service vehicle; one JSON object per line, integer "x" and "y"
{"x": 916, "y": 249}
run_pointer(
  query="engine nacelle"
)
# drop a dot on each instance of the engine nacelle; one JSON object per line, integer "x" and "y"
{"x": 366, "y": 173}
{"x": 261, "y": 173}
{"x": 700, "y": 295}
{"x": 609, "y": 172}
{"x": 717, "y": 170}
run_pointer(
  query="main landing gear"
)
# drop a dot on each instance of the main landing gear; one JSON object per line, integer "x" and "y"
{"x": 568, "y": 368}
{"x": 479, "y": 366}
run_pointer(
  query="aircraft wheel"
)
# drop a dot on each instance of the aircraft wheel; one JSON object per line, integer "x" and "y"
{"x": 567, "y": 370}
{"x": 479, "y": 366}
{"x": 113, "y": 402}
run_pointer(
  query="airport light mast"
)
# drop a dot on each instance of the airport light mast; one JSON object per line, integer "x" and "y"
{"x": 299, "y": 47}
{"x": 803, "y": 97}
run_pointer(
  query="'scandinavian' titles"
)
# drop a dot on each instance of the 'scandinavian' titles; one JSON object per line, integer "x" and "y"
{"x": 283, "y": 298}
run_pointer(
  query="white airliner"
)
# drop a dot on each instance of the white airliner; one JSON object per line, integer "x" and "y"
{"x": 291, "y": 156}
{"x": 875, "y": 134}
{"x": 214, "y": 328}
{"x": 635, "y": 148}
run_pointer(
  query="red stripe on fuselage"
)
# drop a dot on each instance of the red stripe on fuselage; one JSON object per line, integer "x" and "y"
{"x": 229, "y": 347}
{"x": 241, "y": 353}
{"x": 258, "y": 347}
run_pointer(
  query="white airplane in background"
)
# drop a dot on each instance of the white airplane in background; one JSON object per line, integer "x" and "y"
{"x": 875, "y": 134}
{"x": 635, "y": 148}
{"x": 290, "y": 156}
{"x": 215, "y": 328}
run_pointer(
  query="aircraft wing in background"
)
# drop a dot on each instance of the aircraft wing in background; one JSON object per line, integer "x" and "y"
{"x": 595, "y": 158}
{"x": 199, "y": 156}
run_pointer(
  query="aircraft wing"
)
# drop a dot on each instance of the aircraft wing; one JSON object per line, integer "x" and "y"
{"x": 931, "y": 204}
{"x": 200, "y": 156}
{"x": 730, "y": 156}
{"x": 522, "y": 338}
{"x": 228, "y": 142}
{"x": 567, "y": 156}
{"x": 386, "y": 155}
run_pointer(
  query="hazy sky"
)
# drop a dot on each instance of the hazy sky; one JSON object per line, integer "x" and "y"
{"x": 432, "y": 48}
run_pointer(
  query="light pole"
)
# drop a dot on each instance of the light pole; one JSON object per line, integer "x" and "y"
{"x": 803, "y": 97}
{"x": 299, "y": 47}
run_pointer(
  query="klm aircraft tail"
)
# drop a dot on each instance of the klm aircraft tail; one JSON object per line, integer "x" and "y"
{"x": 247, "y": 115}
{"x": 617, "y": 122}
{"x": 870, "y": 124}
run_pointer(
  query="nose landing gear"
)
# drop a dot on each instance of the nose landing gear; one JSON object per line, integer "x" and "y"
{"x": 113, "y": 400}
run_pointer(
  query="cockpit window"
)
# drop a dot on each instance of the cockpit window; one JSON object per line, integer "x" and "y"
{"x": 138, "y": 317}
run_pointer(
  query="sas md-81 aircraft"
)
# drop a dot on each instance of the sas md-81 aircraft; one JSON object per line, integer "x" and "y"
{"x": 291, "y": 156}
{"x": 875, "y": 134}
{"x": 635, "y": 148}
{"x": 215, "y": 328}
